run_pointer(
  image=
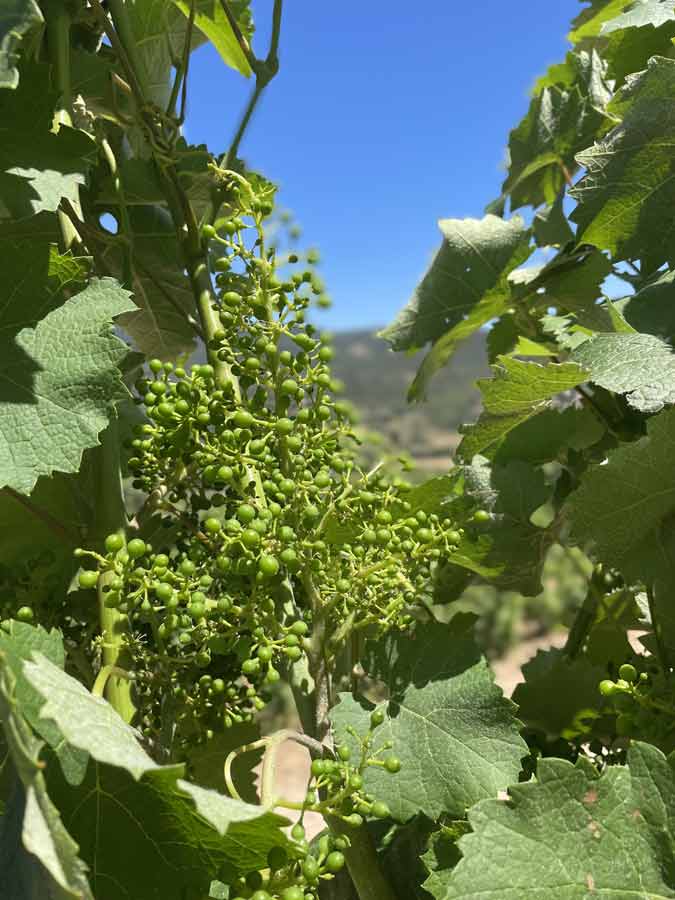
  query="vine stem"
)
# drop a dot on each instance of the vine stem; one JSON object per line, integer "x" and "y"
{"x": 361, "y": 855}
{"x": 113, "y": 625}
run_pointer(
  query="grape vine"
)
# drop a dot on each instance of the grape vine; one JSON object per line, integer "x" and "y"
{"x": 201, "y": 565}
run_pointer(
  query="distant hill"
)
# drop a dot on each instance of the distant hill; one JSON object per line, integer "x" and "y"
{"x": 377, "y": 381}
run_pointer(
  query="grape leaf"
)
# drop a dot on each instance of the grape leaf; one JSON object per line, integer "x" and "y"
{"x": 561, "y": 121}
{"x": 624, "y": 507}
{"x": 38, "y": 857}
{"x": 17, "y": 645}
{"x": 573, "y": 682}
{"x": 652, "y": 308}
{"x": 193, "y": 832}
{"x": 572, "y": 283}
{"x": 51, "y": 414}
{"x": 37, "y": 277}
{"x": 466, "y": 286}
{"x": 545, "y": 436}
{"x": 38, "y": 168}
{"x": 509, "y": 550}
{"x": 17, "y": 17}
{"x": 212, "y": 21}
{"x": 625, "y": 199}
{"x": 641, "y": 13}
{"x": 455, "y": 733}
{"x": 160, "y": 326}
{"x": 589, "y": 22}
{"x": 572, "y": 834}
{"x": 627, "y": 50}
{"x": 518, "y": 391}
{"x": 639, "y": 365}
{"x": 550, "y": 226}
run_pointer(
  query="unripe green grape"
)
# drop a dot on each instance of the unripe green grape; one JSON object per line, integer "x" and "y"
{"x": 163, "y": 591}
{"x": 310, "y": 868}
{"x": 284, "y": 426}
{"x": 344, "y": 752}
{"x": 376, "y": 718}
{"x": 25, "y": 614}
{"x": 392, "y": 764}
{"x": 380, "y": 810}
{"x": 114, "y": 542}
{"x": 293, "y": 893}
{"x": 288, "y": 387}
{"x": 265, "y": 654}
{"x": 250, "y": 538}
{"x": 268, "y": 565}
{"x": 136, "y": 548}
{"x": 213, "y": 526}
{"x": 246, "y": 513}
{"x": 299, "y": 628}
{"x": 628, "y": 673}
{"x": 88, "y": 579}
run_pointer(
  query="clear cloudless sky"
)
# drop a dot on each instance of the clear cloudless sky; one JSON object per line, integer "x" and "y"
{"x": 385, "y": 116}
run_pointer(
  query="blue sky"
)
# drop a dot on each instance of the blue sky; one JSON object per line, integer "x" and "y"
{"x": 385, "y": 116}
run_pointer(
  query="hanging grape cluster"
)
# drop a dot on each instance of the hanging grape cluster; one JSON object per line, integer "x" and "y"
{"x": 252, "y": 463}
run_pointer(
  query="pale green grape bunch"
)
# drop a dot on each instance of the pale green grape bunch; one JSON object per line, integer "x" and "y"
{"x": 252, "y": 463}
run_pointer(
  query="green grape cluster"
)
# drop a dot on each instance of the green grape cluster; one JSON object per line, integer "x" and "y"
{"x": 251, "y": 462}
{"x": 337, "y": 786}
{"x": 336, "y": 790}
{"x": 642, "y": 702}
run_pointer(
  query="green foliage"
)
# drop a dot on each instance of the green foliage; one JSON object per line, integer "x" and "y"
{"x": 178, "y": 541}
{"x": 465, "y": 287}
{"x": 455, "y": 733}
{"x": 572, "y": 833}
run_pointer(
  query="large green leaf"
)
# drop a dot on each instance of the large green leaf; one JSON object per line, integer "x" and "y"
{"x": 466, "y": 286}
{"x": 626, "y": 199}
{"x": 17, "y": 17}
{"x": 518, "y": 391}
{"x": 571, "y": 283}
{"x": 625, "y": 507}
{"x": 172, "y": 835}
{"x": 563, "y": 118}
{"x": 639, "y": 365}
{"x": 571, "y": 835}
{"x": 38, "y": 858}
{"x": 37, "y": 278}
{"x": 455, "y": 733}
{"x": 550, "y": 433}
{"x": 17, "y": 645}
{"x": 38, "y": 168}
{"x": 56, "y": 409}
